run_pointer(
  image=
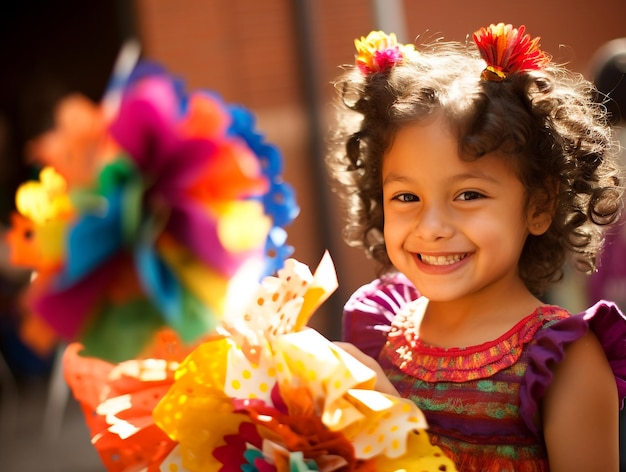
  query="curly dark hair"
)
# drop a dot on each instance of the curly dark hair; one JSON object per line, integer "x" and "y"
{"x": 546, "y": 123}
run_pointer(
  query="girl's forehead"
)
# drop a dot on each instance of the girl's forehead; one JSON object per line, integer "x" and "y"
{"x": 427, "y": 133}
{"x": 431, "y": 147}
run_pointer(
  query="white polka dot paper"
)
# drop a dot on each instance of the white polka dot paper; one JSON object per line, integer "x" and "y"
{"x": 246, "y": 379}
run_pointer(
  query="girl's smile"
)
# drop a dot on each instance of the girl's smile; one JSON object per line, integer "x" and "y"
{"x": 442, "y": 263}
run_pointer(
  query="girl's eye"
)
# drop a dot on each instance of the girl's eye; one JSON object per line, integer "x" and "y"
{"x": 406, "y": 197}
{"x": 470, "y": 195}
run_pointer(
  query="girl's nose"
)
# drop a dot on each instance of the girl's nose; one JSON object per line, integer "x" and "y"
{"x": 434, "y": 223}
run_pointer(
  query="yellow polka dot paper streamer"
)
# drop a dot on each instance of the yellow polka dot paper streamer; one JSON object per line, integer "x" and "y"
{"x": 282, "y": 304}
{"x": 323, "y": 284}
{"x": 326, "y": 369}
{"x": 388, "y": 422}
{"x": 307, "y": 358}
{"x": 246, "y": 379}
{"x": 421, "y": 456}
{"x": 274, "y": 309}
{"x": 198, "y": 388}
{"x": 196, "y": 412}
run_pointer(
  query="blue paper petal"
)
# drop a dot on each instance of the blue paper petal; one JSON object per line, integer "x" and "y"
{"x": 159, "y": 282}
{"x": 276, "y": 251}
{"x": 93, "y": 240}
{"x": 280, "y": 204}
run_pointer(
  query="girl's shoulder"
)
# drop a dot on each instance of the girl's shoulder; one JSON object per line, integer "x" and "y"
{"x": 604, "y": 320}
{"x": 369, "y": 312}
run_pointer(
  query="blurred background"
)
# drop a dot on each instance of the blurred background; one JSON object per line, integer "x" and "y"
{"x": 276, "y": 57}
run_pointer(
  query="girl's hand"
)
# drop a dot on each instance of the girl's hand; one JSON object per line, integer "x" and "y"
{"x": 383, "y": 384}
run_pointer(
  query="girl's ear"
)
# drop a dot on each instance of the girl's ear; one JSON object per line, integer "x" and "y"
{"x": 540, "y": 212}
{"x": 539, "y": 224}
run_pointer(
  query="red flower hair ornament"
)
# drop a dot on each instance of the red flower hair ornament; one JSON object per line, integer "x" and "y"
{"x": 507, "y": 50}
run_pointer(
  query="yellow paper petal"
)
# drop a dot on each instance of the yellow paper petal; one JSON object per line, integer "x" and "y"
{"x": 340, "y": 414}
{"x": 44, "y": 200}
{"x": 323, "y": 285}
{"x": 51, "y": 237}
{"x": 362, "y": 375}
{"x": 199, "y": 384}
{"x": 305, "y": 358}
{"x": 243, "y": 226}
{"x": 421, "y": 455}
{"x": 204, "y": 429}
{"x": 206, "y": 284}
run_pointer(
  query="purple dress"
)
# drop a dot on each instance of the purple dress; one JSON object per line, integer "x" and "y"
{"x": 481, "y": 402}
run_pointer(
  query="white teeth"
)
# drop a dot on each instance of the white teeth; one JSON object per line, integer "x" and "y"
{"x": 441, "y": 260}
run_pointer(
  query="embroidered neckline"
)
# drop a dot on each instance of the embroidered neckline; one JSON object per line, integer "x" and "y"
{"x": 432, "y": 363}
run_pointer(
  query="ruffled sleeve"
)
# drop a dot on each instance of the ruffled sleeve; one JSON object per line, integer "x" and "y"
{"x": 369, "y": 311}
{"x": 548, "y": 349}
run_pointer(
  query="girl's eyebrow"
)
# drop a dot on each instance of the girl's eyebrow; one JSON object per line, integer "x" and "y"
{"x": 395, "y": 177}
{"x": 474, "y": 175}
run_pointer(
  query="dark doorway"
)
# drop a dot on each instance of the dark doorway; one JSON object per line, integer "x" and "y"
{"x": 47, "y": 50}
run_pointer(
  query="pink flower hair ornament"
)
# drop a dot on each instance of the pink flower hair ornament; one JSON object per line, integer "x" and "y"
{"x": 379, "y": 52}
{"x": 507, "y": 50}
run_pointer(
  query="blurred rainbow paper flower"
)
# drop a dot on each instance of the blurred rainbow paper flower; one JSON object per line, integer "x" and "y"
{"x": 149, "y": 205}
{"x": 272, "y": 395}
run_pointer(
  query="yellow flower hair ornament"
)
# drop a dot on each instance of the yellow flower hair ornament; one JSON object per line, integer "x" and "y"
{"x": 507, "y": 50}
{"x": 379, "y": 52}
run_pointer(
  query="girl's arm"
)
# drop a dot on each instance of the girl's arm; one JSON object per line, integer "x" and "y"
{"x": 580, "y": 411}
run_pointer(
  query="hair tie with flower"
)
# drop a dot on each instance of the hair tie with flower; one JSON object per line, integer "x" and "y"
{"x": 507, "y": 50}
{"x": 379, "y": 52}
{"x": 148, "y": 207}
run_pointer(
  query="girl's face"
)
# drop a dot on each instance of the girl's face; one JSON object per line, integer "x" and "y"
{"x": 455, "y": 228}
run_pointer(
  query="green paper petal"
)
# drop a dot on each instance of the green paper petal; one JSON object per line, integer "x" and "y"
{"x": 121, "y": 332}
{"x": 297, "y": 463}
{"x": 132, "y": 198}
{"x": 196, "y": 318}
{"x": 116, "y": 173}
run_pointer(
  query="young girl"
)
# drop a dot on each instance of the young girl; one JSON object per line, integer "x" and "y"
{"x": 471, "y": 174}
